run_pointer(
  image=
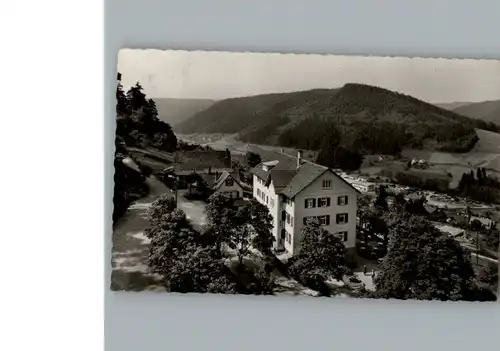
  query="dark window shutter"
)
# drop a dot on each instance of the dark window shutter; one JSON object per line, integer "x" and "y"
{"x": 304, "y": 220}
{"x": 283, "y": 215}
{"x": 314, "y": 203}
{"x": 346, "y": 217}
{"x": 327, "y": 202}
{"x": 327, "y": 219}
{"x": 345, "y": 236}
{"x": 346, "y": 199}
{"x": 338, "y": 219}
{"x": 338, "y": 200}
{"x": 305, "y": 203}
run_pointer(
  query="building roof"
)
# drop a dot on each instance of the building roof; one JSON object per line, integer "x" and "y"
{"x": 454, "y": 231}
{"x": 197, "y": 160}
{"x": 305, "y": 175}
{"x": 223, "y": 178}
{"x": 287, "y": 178}
{"x": 209, "y": 179}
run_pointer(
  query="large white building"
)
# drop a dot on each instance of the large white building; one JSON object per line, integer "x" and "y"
{"x": 294, "y": 189}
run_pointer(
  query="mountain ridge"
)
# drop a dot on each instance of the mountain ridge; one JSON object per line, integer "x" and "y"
{"x": 488, "y": 111}
{"x": 358, "y": 115}
{"x": 175, "y": 111}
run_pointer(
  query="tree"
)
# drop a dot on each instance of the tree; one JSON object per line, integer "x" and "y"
{"x": 197, "y": 270}
{"x": 363, "y": 213}
{"x": 417, "y": 206}
{"x": 121, "y": 98}
{"x": 476, "y": 225}
{"x": 321, "y": 254}
{"x": 381, "y": 200}
{"x": 257, "y": 215}
{"x": 253, "y": 159}
{"x": 378, "y": 225}
{"x": 136, "y": 98}
{"x": 332, "y": 155}
{"x": 492, "y": 238}
{"x": 177, "y": 253}
{"x": 489, "y": 275}
{"x": 241, "y": 241}
{"x": 171, "y": 235}
{"x": 221, "y": 220}
{"x": 399, "y": 202}
{"x": 162, "y": 206}
{"x": 423, "y": 263}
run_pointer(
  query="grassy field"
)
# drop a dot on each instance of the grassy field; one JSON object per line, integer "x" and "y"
{"x": 486, "y": 154}
{"x": 230, "y": 141}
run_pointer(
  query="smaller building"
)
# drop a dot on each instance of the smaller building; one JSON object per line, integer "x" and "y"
{"x": 448, "y": 229}
{"x": 361, "y": 186}
{"x": 229, "y": 184}
{"x": 211, "y": 163}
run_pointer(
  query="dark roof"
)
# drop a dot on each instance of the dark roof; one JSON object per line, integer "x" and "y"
{"x": 210, "y": 179}
{"x": 286, "y": 177}
{"x": 306, "y": 174}
{"x": 281, "y": 178}
{"x": 199, "y": 160}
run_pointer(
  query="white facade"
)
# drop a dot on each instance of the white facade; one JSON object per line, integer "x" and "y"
{"x": 231, "y": 188}
{"x": 267, "y": 196}
{"x": 318, "y": 199}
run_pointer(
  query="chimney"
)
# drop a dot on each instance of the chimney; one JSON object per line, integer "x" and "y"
{"x": 299, "y": 158}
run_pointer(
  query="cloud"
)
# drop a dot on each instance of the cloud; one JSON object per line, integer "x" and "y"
{"x": 217, "y": 75}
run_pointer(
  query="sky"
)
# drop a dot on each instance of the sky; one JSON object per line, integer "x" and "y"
{"x": 220, "y": 75}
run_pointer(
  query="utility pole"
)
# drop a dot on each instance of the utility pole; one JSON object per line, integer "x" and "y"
{"x": 175, "y": 189}
{"x": 477, "y": 248}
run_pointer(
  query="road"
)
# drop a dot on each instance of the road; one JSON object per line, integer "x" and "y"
{"x": 482, "y": 260}
{"x": 195, "y": 210}
{"x": 131, "y": 246}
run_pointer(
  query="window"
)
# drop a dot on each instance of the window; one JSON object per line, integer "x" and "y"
{"x": 291, "y": 221}
{"x": 324, "y": 202}
{"x": 267, "y": 199}
{"x": 272, "y": 202}
{"x": 288, "y": 218}
{"x": 310, "y": 203}
{"x": 342, "y": 236}
{"x": 342, "y": 218}
{"x": 305, "y": 219}
{"x": 283, "y": 215}
{"x": 283, "y": 234}
{"x": 342, "y": 200}
{"x": 324, "y": 220}
{"x": 229, "y": 182}
{"x": 327, "y": 184}
{"x": 258, "y": 192}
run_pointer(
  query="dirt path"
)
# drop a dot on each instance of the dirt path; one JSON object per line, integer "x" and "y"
{"x": 130, "y": 246}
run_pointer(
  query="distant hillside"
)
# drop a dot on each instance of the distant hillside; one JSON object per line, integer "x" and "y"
{"x": 488, "y": 111}
{"x": 452, "y": 105}
{"x": 175, "y": 111}
{"x": 365, "y": 118}
{"x": 231, "y": 115}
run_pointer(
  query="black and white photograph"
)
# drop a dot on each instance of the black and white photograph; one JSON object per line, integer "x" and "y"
{"x": 306, "y": 175}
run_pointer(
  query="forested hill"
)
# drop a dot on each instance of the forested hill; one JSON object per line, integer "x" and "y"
{"x": 231, "y": 115}
{"x": 488, "y": 111}
{"x": 138, "y": 125}
{"x": 175, "y": 111}
{"x": 363, "y": 118}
